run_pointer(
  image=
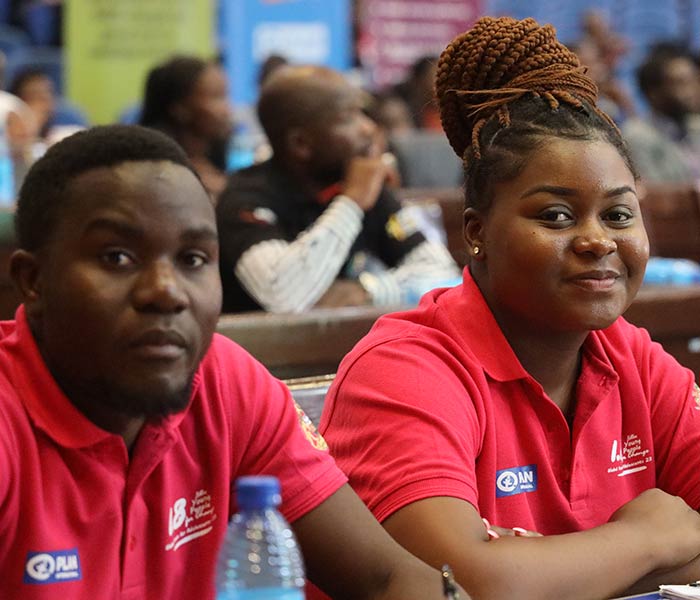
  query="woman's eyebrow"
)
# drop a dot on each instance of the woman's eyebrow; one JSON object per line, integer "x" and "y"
{"x": 556, "y": 190}
{"x": 618, "y": 191}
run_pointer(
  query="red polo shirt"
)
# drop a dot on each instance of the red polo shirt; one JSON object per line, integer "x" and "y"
{"x": 79, "y": 519}
{"x": 433, "y": 402}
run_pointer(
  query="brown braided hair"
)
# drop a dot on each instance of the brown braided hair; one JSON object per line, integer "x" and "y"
{"x": 502, "y": 87}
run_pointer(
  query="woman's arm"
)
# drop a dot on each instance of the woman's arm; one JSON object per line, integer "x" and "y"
{"x": 652, "y": 532}
{"x": 348, "y": 555}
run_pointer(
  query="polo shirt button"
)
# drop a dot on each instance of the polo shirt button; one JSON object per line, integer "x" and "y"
{"x": 132, "y": 542}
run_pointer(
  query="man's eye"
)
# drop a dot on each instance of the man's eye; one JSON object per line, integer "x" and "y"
{"x": 194, "y": 260}
{"x": 117, "y": 258}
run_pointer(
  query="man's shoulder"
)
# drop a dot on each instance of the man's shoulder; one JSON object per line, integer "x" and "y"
{"x": 259, "y": 182}
{"x": 226, "y": 360}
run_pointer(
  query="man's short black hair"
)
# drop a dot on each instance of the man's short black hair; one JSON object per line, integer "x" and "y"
{"x": 42, "y": 197}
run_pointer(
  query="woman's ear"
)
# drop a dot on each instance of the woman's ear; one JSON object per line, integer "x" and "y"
{"x": 25, "y": 273}
{"x": 474, "y": 233}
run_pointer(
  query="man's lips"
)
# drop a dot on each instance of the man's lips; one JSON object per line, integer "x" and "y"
{"x": 164, "y": 344}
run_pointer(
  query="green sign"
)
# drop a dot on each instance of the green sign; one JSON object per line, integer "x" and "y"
{"x": 111, "y": 44}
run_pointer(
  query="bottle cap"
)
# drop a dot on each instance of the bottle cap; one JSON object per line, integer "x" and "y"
{"x": 258, "y": 491}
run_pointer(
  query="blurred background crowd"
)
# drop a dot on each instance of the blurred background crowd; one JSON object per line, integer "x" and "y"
{"x": 643, "y": 54}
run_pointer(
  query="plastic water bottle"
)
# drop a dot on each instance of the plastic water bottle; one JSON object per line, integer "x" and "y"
{"x": 672, "y": 271}
{"x": 241, "y": 153}
{"x": 260, "y": 559}
{"x": 7, "y": 175}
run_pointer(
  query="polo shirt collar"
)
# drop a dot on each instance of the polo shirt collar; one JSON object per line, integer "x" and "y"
{"x": 482, "y": 336}
{"x": 47, "y": 405}
{"x": 480, "y": 333}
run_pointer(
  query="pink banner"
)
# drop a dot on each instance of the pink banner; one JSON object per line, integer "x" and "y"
{"x": 395, "y": 33}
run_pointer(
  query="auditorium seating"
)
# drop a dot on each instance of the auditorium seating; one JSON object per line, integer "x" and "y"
{"x": 315, "y": 342}
{"x": 672, "y": 218}
{"x": 309, "y": 393}
{"x": 299, "y": 345}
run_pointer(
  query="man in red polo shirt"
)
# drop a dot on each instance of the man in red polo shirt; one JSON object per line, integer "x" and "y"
{"x": 124, "y": 419}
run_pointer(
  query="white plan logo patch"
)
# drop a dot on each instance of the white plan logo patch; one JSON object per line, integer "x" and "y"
{"x": 629, "y": 456}
{"x": 188, "y": 521}
{"x": 52, "y": 566}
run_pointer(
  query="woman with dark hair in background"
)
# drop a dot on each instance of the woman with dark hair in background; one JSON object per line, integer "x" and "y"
{"x": 187, "y": 98}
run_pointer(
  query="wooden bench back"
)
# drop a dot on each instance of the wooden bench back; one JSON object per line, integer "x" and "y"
{"x": 672, "y": 218}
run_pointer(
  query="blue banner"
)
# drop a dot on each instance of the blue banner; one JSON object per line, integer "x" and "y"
{"x": 303, "y": 31}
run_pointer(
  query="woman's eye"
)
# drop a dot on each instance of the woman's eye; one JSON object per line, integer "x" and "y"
{"x": 117, "y": 258}
{"x": 619, "y": 216}
{"x": 555, "y": 216}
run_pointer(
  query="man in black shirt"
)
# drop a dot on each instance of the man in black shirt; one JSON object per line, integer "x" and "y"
{"x": 315, "y": 224}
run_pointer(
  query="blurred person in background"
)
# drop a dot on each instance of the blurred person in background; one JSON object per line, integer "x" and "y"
{"x": 187, "y": 98}
{"x": 610, "y": 45}
{"x": 417, "y": 91}
{"x": 316, "y": 224}
{"x": 613, "y": 98}
{"x": 36, "y": 89}
{"x": 391, "y": 113}
{"x": 666, "y": 145}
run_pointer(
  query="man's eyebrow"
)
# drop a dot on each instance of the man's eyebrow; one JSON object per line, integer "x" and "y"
{"x": 127, "y": 230}
{"x": 204, "y": 233}
{"x": 556, "y": 190}
{"x": 116, "y": 226}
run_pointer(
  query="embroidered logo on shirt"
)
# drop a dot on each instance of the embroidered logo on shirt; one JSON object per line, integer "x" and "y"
{"x": 188, "y": 521}
{"x": 307, "y": 426}
{"x": 696, "y": 396}
{"x": 52, "y": 566}
{"x": 629, "y": 456}
{"x": 516, "y": 480}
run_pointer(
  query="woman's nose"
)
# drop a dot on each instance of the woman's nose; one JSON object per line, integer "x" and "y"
{"x": 595, "y": 239}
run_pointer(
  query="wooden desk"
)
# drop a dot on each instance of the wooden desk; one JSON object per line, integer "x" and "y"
{"x": 314, "y": 343}
{"x": 672, "y": 317}
{"x": 311, "y": 343}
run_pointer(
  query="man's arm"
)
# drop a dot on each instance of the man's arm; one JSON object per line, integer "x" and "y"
{"x": 655, "y": 531}
{"x": 348, "y": 555}
{"x": 427, "y": 266}
{"x": 292, "y": 276}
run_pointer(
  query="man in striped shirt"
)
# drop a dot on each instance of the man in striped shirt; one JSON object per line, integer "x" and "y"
{"x": 316, "y": 224}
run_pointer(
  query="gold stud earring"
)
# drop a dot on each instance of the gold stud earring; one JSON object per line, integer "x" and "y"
{"x": 476, "y": 250}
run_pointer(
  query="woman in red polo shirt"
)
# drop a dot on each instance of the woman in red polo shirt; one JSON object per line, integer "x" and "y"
{"x": 522, "y": 396}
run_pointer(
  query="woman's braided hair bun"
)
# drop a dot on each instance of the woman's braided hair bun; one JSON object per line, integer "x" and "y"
{"x": 497, "y": 62}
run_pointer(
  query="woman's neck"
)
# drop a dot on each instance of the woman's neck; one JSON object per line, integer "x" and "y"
{"x": 554, "y": 361}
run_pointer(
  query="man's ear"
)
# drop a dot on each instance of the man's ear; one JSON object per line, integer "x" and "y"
{"x": 298, "y": 144}
{"x": 179, "y": 113}
{"x": 25, "y": 273}
{"x": 474, "y": 233}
